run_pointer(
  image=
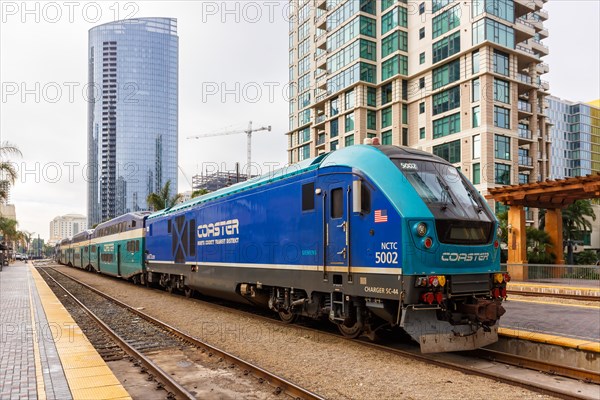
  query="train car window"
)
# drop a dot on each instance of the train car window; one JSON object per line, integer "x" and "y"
{"x": 169, "y": 223}
{"x": 337, "y": 203}
{"x": 193, "y": 238}
{"x": 308, "y": 196}
{"x": 366, "y": 200}
{"x": 93, "y": 249}
{"x": 133, "y": 224}
{"x": 137, "y": 246}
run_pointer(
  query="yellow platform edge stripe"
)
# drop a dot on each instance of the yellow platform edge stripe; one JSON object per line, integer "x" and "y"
{"x": 585, "y": 345}
{"x": 72, "y": 336}
{"x": 39, "y": 376}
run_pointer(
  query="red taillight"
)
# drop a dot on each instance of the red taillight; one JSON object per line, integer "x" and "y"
{"x": 506, "y": 277}
{"x": 439, "y": 297}
{"x": 428, "y": 243}
{"x": 427, "y": 298}
{"x": 434, "y": 281}
{"x": 496, "y": 244}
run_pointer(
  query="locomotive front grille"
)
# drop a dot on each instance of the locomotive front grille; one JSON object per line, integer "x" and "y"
{"x": 471, "y": 283}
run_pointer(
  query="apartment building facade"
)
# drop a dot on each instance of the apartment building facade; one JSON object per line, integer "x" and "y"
{"x": 575, "y": 134}
{"x": 66, "y": 226}
{"x": 458, "y": 79}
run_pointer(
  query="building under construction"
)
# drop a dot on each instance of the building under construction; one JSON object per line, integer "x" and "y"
{"x": 217, "y": 180}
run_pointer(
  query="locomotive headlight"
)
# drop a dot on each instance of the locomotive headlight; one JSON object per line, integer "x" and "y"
{"x": 421, "y": 229}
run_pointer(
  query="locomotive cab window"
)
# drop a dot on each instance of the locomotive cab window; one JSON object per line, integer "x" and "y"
{"x": 366, "y": 200}
{"x": 337, "y": 203}
{"x": 308, "y": 196}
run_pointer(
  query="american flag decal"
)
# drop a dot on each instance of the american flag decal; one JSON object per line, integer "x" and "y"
{"x": 380, "y": 216}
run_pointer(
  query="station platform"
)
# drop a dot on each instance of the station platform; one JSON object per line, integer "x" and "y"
{"x": 566, "y": 325}
{"x": 558, "y": 286}
{"x": 43, "y": 353}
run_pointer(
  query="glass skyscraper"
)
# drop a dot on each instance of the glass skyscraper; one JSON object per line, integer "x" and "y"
{"x": 132, "y": 114}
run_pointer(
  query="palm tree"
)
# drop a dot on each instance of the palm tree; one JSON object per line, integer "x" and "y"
{"x": 8, "y": 173}
{"x": 163, "y": 199}
{"x": 575, "y": 223}
{"x": 200, "y": 192}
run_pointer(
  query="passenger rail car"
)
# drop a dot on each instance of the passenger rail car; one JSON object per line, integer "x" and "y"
{"x": 117, "y": 247}
{"x": 80, "y": 248}
{"x": 364, "y": 236}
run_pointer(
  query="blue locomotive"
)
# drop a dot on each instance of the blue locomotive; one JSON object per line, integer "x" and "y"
{"x": 366, "y": 236}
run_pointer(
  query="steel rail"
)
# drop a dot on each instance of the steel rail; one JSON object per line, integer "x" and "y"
{"x": 550, "y": 368}
{"x": 415, "y": 355}
{"x": 280, "y": 384}
{"x": 555, "y": 295}
{"x": 170, "y": 385}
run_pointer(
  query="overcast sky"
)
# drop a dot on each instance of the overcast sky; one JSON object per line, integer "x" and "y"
{"x": 233, "y": 68}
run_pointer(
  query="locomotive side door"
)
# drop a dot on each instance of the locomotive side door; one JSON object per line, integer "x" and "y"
{"x": 337, "y": 228}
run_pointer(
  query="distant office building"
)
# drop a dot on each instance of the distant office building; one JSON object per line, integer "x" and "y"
{"x": 8, "y": 211}
{"x": 66, "y": 226}
{"x": 132, "y": 114}
{"x": 575, "y": 134}
{"x": 458, "y": 79}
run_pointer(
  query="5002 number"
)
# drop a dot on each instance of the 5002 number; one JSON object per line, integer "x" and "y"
{"x": 386, "y": 257}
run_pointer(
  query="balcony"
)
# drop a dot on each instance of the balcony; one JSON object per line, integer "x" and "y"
{"x": 543, "y": 33}
{"x": 321, "y": 21}
{"x": 322, "y": 81}
{"x": 321, "y": 61}
{"x": 319, "y": 119}
{"x": 527, "y": 56}
{"x": 524, "y": 78}
{"x": 523, "y": 30}
{"x": 523, "y": 7}
{"x": 321, "y": 41}
{"x": 524, "y": 107}
{"x": 321, "y": 139}
{"x": 540, "y": 48}
{"x": 543, "y": 14}
{"x": 544, "y": 86}
{"x": 542, "y": 68}
{"x": 525, "y": 134}
{"x": 525, "y": 161}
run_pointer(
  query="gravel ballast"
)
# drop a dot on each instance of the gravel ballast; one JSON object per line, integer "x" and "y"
{"x": 332, "y": 367}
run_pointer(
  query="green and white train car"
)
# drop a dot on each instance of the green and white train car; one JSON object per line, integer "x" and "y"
{"x": 80, "y": 249}
{"x": 117, "y": 247}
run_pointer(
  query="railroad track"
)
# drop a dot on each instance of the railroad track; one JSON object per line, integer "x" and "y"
{"x": 443, "y": 360}
{"x": 555, "y": 295}
{"x": 280, "y": 385}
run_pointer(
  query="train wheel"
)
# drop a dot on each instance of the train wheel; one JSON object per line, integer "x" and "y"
{"x": 288, "y": 317}
{"x": 351, "y": 332}
{"x": 188, "y": 292}
{"x": 169, "y": 287}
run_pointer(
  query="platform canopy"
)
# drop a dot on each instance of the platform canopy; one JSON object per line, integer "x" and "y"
{"x": 548, "y": 194}
{"x": 551, "y": 195}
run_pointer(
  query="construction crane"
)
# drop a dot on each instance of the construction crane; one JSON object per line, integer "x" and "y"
{"x": 248, "y": 133}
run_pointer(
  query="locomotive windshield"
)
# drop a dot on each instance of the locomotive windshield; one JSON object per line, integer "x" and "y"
{"x": 461, "y": 217}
